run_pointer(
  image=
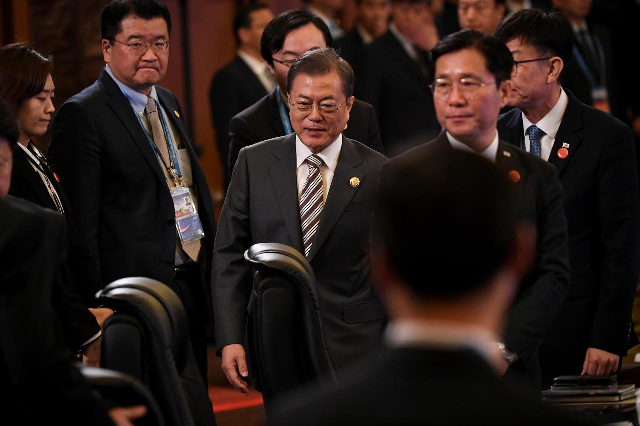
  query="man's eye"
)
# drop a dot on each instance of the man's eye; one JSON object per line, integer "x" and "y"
{"x": 159, "y": 44}
{"x": 327, "y": 107}
{"x": 136, "y": 44}
{"x": 443, "y": 85}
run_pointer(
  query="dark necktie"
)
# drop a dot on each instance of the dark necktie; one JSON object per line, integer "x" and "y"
{"x": 588, "y": 49}
{"x": 311, "y": 202}
{"x": 535, "y": 134}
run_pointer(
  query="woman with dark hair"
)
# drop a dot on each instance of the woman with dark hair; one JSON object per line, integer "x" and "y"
{"x": 27, "y": 85}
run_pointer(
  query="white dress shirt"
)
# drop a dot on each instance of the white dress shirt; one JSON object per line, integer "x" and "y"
{"x": 489, "y": 153}
{"x": 330, "y": 158}
{"x": 549, "y": 124}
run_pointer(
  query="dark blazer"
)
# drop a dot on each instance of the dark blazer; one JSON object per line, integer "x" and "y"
{"x": 80, "y": 278}
{"x": 351, "y": 48}
{"x": 398, "y": 89}
{"x": 600, "y": 185}
{"x": 233, "y": 88}
{"x": 117, "y": 188}
{"x": 261, "y": 121}
{"x": 32, "y": 350}
{"x": 417, "y": 386}
{"x": 26, "y": 183}
{"x": 543, "y": 291}
{"x": 262, "y": 206}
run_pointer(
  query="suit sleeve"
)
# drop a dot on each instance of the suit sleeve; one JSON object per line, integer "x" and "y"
{"x": 545, "y": 289}
{"x": 75, "y": 150}
{"x": 240, "y": 135}
{"x": 619, "y": 212}
{"x": 231, "y": 274}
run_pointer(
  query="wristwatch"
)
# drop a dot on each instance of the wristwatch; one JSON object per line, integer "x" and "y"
{"x": 509, "y": 356}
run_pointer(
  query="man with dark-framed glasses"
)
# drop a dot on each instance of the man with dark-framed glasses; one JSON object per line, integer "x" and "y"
{"x": 311, "y": 190}
{"x": 126, "y": 162}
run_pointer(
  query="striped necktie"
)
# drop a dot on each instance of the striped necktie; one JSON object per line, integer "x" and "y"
{"x": 311, "y": 202}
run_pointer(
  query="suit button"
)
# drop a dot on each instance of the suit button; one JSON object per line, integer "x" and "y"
{"x": 171, "y": 221}
{"x": 168, "y": 260}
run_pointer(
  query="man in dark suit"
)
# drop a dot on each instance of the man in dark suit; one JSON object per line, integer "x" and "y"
{"x": 595, "y": 159}
{"x": 481, "y": 15}
{"x": 397, "y": 77}
{"x": 127, "y": 164}
{"x": 470, "y": 86}
{"x": 372, "y": 22}
{"x": 243, "y": 81}
{"x": 439, "y": 365}
{"x": 288, "y": 36}
{"x": 313, "y": 191}
{"x": 32, "y": 248}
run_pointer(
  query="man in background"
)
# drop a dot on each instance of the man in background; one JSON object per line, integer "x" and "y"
{"x": 480, "y": 15}
{"x": 244, "y": 80}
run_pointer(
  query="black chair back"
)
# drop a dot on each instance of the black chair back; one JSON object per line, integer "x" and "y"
{"x": 148, "y": 338}
{"x": 285, "y": 335}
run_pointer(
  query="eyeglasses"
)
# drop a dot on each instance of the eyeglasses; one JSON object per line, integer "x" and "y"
{"x": 529, "y": 60}
{"x": 467, "y": 88}
{"x": 327, "y": 110}
{"x": 286, "y": 63}
{"x": 139, "y": 48}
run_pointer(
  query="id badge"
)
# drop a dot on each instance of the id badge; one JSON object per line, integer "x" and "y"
{"x": 600, "y": 98}
{"x": 187, "y": 219}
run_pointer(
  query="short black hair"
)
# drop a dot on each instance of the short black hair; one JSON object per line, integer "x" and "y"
{"x": 549, "y": 32}
{"x": 448, "y": 223}
{"x": 276, "y": 32}
{"x": 320, "y": 62}
{"x": 9, "y": 128}
{"x": 117, "y": 10}
{"x": 497, "y": 56}
{"x": 243, "y": 17}
{"x": 23, "y": 72}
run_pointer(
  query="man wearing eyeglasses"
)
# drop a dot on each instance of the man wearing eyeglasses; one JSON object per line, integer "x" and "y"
{"x": 311, "y": 190}
{"x": 126, "y": 162}
{"x": 289, "y": 35}
{"x": 595, "y": 158}
{"x": 471, "y": 84}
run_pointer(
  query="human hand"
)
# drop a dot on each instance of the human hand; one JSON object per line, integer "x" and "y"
{"x": 600, "y": 363}
{"x": 234, "y": 362}
{"x": 91, "y": 354}
{"x": 122, "y": 416}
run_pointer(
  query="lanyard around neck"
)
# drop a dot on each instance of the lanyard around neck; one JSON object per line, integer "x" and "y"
{"x": 284, "y": 114}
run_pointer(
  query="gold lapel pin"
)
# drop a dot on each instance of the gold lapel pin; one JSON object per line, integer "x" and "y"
{"x": 354, "y": 182}
{"x": 506, "y": 153}
{"x": 514, "y": 176}
{"x": 176, "y": 113}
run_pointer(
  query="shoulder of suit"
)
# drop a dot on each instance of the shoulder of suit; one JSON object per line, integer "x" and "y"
{"x": 364, "y": 151}
{"x": 256, "y": 110}
{"x": 28, "y": 210}
{"x": 531, "y": 162}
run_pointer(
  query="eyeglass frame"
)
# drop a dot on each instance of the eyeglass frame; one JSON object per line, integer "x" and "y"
{"x": 454, "y": 83}
{"x": 313, "y": 104}
{"x": 287, "y": 62}
{"x": 516, "y": 63}
{"x": 147, "y": 45}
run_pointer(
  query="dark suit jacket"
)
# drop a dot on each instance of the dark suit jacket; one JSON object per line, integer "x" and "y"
{"x": 351, "y": 48}
{"x": 543, "y": 291}
{"x": 399, "y": 91}
{"x": 417, "y": 386}
{"x": 262, "y": 206}
{"x": 600, "y": 185}
{"x": 233, "y": 88}
{"x": 117, "y": 188}
{"x": 261, "y": 121}
{"x": 79, "y": 324}
{"x": 26, "y": 183}
{"x": 32, "y": 352}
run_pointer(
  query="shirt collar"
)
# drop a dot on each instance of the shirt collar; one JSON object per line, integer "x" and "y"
{"x": 137, "y": 100}
{"x": 550, "y": 123}
{"x": 329, "y": 155}
{"x": 257, "y": 66}
{"x": 406, "y": 44}
{"x": 441, "y": 334}
{"x": 489, "y": 153}
{"x": 364, "y": 34}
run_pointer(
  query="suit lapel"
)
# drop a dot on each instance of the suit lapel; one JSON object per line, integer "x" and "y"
{"x": 567, "y": 136}
{"x": 405, "y": 61}
{"x": 276, "y": 121}
{"x": 513, "y": 133}
{"x": 121, "y": 107}
{"x": 284, "y": 180}
{"x": 340, "y": 192}
{"x": 23, "y": 166}
{"x": 508, "y": 162}
{"x": 251, "y": 80}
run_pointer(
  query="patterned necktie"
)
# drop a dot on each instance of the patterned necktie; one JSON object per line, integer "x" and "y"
{"x": 192, "y": 249}
{"x": 535, "y": 134}
{"x": 311, "y": 202}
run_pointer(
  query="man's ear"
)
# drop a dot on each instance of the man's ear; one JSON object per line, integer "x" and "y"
{"x": 106, "y": 50}
{"x": 504, "y": 90}
{"x": 556, "y": 65}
